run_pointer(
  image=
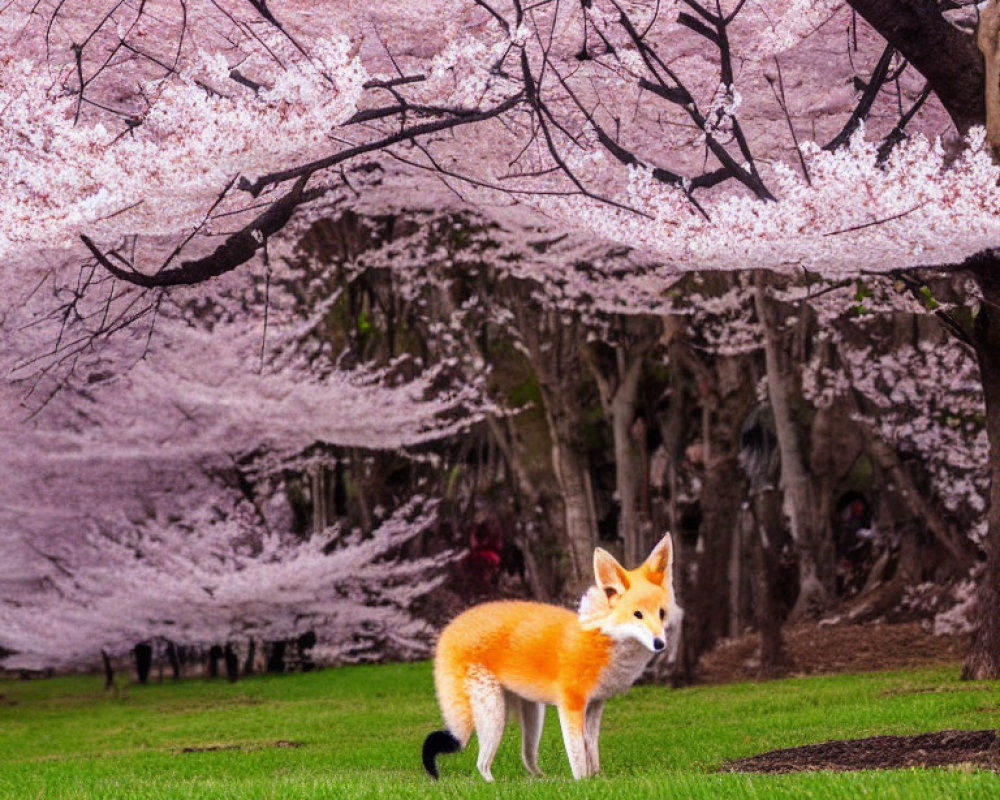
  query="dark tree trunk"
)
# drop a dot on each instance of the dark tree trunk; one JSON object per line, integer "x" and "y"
{"x": 175, "y": 662}
{"x": 109, "y": 672}
{"x": 143, "y": 653}
{"x": 251, "y": 654}
{"x": 214, "y": 654}
{"x": 232, "y": 663}
{"x": 768, "y": 544}
{"x": 983, "y": 660}
{"x": 726, "y": 399}
{"x": 276, "y": 658}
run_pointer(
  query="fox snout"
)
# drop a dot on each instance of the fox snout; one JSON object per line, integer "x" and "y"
{"x": 658, "y": 643}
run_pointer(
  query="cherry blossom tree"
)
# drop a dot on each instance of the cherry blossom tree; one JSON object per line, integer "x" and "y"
{"x": 156, "y": 146}
{"x": 216, "y": 577}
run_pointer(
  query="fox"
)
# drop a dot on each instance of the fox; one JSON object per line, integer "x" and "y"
{"x": 519, "y": 656}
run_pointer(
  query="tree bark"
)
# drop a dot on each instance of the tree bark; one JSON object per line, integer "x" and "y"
{"x": 945, "y": 56}
{"x": 767, "y": 545}
{"x": 727, "y": 397}
{"x": 214, "y": 654}
{"x": 109, "y": 672}
{"x": 988, "y": 39}
{"x": 619, "y": 393}
{"x": 552, "y": 347}
{"x": 983, "y": 660}
{"x": 251, "y": 654}
{"x": 799, "y": 500}
{"x": 143, "y": 653}
{"x": 175, "y": 663}
{"x": 232, "y": 663}
{"x": 276, "y": 658}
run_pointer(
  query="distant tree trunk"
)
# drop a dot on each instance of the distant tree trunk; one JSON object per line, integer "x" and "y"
{"x": 109, "y": 672}
{"x": 232, "y": 663}
{"x": 214, "y": 654}
{"x": 726, "y": 395}
{"x": 573, "y": 477}
{"x": 770, "y": 612}
{"x": 988, "y": 39}
{"x": 959, "y": 547}
{"x": 628, "y": 462}
{"x": 983, "y": 660}
{"x": 799, "y": 500}
{"x": 276, "y": 658}
{"x": 543, "y": 578}
{"x": 251, "y": 654}
{"x": 619, "y": 392}
{"x": 173, "y": 660}
{"x": 143, "y": 653}
{"x": 553, "y": 349}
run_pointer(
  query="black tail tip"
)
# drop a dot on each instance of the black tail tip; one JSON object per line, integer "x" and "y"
{"x": 436, "y": 743}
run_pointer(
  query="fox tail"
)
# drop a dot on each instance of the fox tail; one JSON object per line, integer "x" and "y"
{"x": 436, "y": 743}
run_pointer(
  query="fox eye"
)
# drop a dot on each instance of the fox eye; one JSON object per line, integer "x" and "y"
{"x": 638, "y": 615}
{"x": 662, "y": 613}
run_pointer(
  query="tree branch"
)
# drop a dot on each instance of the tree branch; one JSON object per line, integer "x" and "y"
{"x": 239, "y": 248}
{"x": 947, "y": 57}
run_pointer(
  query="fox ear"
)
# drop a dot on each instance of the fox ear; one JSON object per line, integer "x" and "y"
{"x": 611, "y": 576}
{"x": 658, "y": 565}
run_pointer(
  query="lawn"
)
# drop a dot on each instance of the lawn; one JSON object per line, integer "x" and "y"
{"x": 357, "y": 731}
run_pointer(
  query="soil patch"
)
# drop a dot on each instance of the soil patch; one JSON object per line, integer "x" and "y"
{"x": 943, "y": 748}
{"x": 215, "y": 748}
{"x": 818, "y": 649}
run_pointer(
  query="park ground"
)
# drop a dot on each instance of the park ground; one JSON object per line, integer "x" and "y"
{"x": 356, "y": 732}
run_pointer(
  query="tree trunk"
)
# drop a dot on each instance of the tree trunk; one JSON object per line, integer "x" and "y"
{"x": 552, "y": 348}
{"x": 796, "y": 487}
{"x": 251, "y": 654}
{"x": 232, "y": 663}
{"x": 214, "y": 654}
{"x": 983, "y": 661}
{"x": 628, "y": 459}
{"x": 143, "y": 653}
{"x": 573, "y": 476}
{"x": 109, "y": 672}
{"x": 987, "y": 38}
{"x": 175, "y": 663}
{"x": 619, "y": 392}
{"x": 276, "y": 658}
{"x": 767, "y": 546}
{"x": 726, "y": 397}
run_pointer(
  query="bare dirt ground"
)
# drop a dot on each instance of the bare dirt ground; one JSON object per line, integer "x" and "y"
{"x": 822, "y": 649}
{"x": 817, "y": 649}
{"x": 943, "y": 748}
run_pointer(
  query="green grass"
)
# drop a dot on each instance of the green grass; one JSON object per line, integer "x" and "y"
{"x": 361, "y": 729}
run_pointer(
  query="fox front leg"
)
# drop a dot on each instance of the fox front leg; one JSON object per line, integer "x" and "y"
{"x": 571, "y": 719}
{"x": 591, "y": 732}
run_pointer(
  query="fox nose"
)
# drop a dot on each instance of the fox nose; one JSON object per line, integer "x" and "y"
{"x": 657, "y": 644}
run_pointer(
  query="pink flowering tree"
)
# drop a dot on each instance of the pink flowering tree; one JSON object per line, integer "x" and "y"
{"x": 220, "y": 574}
{"x": 820, "y": 138}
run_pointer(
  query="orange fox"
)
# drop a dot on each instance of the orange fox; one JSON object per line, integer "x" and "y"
{"x": 498, "y": 657}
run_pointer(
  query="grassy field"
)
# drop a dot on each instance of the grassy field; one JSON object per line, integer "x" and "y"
{"x": 359, "y": 731}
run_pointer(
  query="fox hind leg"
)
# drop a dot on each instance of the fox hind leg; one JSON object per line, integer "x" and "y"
{"x": 489, "y": 715}
{"x": 591, "y": 732}
{"x": 532, "y": 716}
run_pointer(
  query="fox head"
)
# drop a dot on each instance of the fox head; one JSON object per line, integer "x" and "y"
{"x": 633, "y": 604}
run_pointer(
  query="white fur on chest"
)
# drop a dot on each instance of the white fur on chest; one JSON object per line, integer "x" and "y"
{"x": 628, "y": 659}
